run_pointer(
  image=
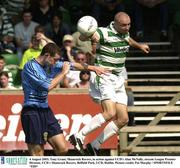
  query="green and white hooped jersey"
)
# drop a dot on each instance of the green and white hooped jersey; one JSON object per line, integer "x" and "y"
{"x": 112, "y": 48}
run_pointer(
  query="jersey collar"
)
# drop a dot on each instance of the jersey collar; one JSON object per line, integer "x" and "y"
{"x": 111, "y": 26}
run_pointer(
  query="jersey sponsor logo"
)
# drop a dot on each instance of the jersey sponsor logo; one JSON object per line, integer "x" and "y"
{"x": 121, "y": 49}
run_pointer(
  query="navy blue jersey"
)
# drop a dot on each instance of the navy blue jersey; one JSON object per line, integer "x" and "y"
{"x": 35, "y": 82}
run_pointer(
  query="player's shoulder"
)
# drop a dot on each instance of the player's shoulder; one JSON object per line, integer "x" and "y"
{"x": 102, "y": 29}
{"x": 30, "y": 64}
{"x": 103, "y": 33}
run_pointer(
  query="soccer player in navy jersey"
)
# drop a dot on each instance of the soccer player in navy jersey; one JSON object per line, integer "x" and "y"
{"x": 39, "y": 76}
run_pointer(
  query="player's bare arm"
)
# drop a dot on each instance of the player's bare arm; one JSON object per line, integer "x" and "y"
{"x": 60, "y": 76}
{"x": 96, "y": 69}
{"x": 144, "y": 47}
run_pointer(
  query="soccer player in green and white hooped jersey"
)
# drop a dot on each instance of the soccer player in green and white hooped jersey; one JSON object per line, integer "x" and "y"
{"x": 112, "y": 51}
{"x": 111, "y": 45}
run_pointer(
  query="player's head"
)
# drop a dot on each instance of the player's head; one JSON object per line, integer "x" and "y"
{"x": 122, "y": 22}
{"x": 51, "y": 52}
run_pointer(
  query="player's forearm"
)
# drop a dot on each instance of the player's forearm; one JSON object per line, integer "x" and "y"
{"x": 84, "y": 67}
{"x": 134, "y": 44}
{"x": 56, "y": 81}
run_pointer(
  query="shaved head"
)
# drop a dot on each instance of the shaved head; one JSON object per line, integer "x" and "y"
{"x": 122, "y": 22}
{"x": 120, "y": 16}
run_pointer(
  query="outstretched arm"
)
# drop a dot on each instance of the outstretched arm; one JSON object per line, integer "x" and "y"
{"x": 144, "y": 47}
{"x": 96, "y": 69}
{"x": 60, "y": 76}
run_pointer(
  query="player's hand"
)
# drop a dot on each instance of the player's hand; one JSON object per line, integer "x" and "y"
{"x": 145, "y": 48}
{"x": 66, "y": 68}
{"x": 101, "y": 70}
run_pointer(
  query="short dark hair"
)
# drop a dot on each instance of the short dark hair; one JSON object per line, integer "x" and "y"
{"x": 1, "y": 57}
{"x": 26, "y": 11}
{"x": 84, "y": 72}
{"x": 39, "y": 28}
{"x": 5, "y": 73}
{"x": 59, "y": 15}
{"x": 50, "y": 48}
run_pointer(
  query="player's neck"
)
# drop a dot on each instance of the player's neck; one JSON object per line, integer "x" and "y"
{"x": 40, "y": 60}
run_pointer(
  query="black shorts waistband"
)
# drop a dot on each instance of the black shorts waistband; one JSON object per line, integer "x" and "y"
{"x": 34, "y": 108}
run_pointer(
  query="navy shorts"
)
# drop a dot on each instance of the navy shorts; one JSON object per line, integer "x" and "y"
{"x": 39, "y": 124}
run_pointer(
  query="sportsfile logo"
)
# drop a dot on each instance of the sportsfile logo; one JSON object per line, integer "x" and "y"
{"x": 2, "y": 160}
{"x": 14, "y": 160}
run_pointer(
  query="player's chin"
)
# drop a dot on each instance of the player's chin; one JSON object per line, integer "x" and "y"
{"x": 126, "y": 31}
{"x": 123, "y": 31}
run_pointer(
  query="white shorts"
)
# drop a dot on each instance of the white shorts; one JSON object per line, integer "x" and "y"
{"x": 108, "y": 87}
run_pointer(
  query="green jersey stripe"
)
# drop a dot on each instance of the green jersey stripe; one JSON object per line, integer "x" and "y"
{"x": 112, "y": 48}
{"x": 108, "y": 64}
{"x": 111, "y": 59}
{"x": 111, "y": 54}
{"x": 116, "y": 43}
{"x": 101, "y": 36}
